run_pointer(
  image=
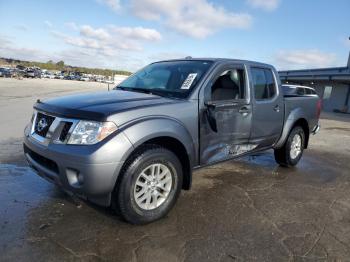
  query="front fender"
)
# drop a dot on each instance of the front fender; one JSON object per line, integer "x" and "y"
{"x": 143, "y": 129}
{"x": 292, "y": 118}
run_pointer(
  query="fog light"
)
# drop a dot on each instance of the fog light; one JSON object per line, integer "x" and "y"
{"x": 80, "y": 179}
{"x": 74, "y": 177}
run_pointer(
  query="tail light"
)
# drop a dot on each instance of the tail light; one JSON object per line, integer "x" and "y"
{"x": 318, "y": 108}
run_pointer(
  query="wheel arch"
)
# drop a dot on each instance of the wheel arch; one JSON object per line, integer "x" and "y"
{"x": 295, "y": 118}
{"x": 167, "y": 133}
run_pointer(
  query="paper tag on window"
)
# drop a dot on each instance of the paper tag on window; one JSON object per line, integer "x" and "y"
{"x": 188, "y": 81}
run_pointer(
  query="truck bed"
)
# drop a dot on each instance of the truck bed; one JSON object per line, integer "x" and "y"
{"x": 305, "y": 106}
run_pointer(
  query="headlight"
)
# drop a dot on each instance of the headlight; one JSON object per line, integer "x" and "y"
{"x": 91, "y": 132}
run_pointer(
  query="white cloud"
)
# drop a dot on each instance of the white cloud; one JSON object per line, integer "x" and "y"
{"x": 113, "y": 4}
{"x": 76, "y": 56}
{"x": 301, "y": 59}
{"x": 268, "y": 5}
{"x": 9, "y": 49}
{"x": 48, "y": 24}
{"x": 98, "y": 33}
{"x": 140, "y": 33}
{"x": 82, "y": 42}
{"x": 196, "y": 18}
{"x": 109, "y": 38}
{"x": 105, "y": 46}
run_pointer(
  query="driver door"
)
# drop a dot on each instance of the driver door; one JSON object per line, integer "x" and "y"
{"x": 225, "y": 115}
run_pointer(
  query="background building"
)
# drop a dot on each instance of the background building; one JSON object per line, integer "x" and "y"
{"x": 332, "y": 84}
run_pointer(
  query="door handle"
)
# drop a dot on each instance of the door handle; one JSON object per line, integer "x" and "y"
{"x": 244, "y": 110}
{"x": 226, "y": 105}
{"x": 277, "y": 108}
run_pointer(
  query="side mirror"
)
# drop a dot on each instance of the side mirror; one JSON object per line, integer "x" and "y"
{"x": 210, "y": 114}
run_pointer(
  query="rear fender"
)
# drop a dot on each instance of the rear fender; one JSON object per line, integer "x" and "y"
{"x": 294, "y": 116}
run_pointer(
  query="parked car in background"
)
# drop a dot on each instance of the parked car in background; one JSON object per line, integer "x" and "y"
{"x": 298, "y": 90}
{"x": 84, "y": 78}
{"x": 48, "y": 74}
{"x": 5, "y": 72}
{"x": 68, "y": 77}
{"x": 19, "y": 71}
{"x": 33, "y": 73}
{"x": 59, "y": 76}
{"x": 134, "y": 148}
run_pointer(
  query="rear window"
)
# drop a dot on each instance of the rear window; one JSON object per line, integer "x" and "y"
{"x": 264, "y": 83}
{"x": 310, "y": 91}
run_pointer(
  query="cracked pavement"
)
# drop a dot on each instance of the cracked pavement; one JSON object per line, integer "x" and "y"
{"x": 248, "y": 209}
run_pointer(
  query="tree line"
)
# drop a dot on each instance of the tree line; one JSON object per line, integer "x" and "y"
{"x": 61, "y": 66}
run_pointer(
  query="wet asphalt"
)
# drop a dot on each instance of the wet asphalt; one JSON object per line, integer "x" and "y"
{"x": 249, "y": 209}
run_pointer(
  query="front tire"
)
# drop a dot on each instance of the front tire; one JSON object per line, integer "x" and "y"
{"x": 292, "y": 151}
{"x": 150, "y": 184}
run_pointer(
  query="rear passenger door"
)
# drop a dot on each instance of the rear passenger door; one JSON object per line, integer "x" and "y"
{"x": 268, "y": 107}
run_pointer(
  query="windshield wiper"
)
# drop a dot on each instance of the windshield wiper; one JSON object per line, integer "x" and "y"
{"x": 122, "y": 88}
{"x": 150, "y": 91}
{"x": 142, "y": 90}
{"x": 156, "y": 92}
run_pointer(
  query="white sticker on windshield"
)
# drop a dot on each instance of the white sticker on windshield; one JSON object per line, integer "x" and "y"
{"x": 188, "y": 81}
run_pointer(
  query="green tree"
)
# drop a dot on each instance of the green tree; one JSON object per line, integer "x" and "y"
{"x": 60, "y": 64}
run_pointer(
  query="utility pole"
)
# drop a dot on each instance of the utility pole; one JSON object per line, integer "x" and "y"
{"x": 349, "y": 59}
{"x": 346, "y": 106}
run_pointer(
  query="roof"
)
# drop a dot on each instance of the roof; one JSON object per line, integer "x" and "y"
{"x": 218, "y": 60}
{"x": 338, "y": 74}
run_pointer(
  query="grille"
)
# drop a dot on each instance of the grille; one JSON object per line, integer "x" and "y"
{"x": 42, "y": 124}
{"x": 48, "y": 163}
{"x": 65, "y": 130}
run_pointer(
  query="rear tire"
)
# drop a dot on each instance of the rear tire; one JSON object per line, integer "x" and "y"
{"x": 292, "y": 150}
{"x": 150, "y": 184}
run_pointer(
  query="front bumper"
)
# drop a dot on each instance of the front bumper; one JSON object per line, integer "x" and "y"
{"x": 88, "y": 171}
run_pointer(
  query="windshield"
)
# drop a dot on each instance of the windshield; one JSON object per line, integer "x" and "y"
{"x": 172, "y": 78}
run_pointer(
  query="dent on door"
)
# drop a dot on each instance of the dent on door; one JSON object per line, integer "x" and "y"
{"x": 225, "y": 118}
{"x": 225, "y": 130}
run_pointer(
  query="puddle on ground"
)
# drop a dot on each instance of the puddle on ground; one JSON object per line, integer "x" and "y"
{"x": 21, "y": 190}
{"x": 15, "y": 170}
{"x": 265, "y": 159}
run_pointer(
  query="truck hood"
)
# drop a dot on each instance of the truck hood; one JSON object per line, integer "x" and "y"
{"x": 99, "y": 105}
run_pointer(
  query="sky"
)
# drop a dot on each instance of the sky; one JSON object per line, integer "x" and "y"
{"x": 128, "y": 34}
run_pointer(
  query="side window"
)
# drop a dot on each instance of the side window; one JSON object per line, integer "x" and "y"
{"x": 229, "y": 85}
{"x": 308, "y": 91}
{"x": 264, "y": 83}
{"x": 300, "y": 91}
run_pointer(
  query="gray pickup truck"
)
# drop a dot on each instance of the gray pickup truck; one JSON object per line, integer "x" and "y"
{"x": 134, "y": 148}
